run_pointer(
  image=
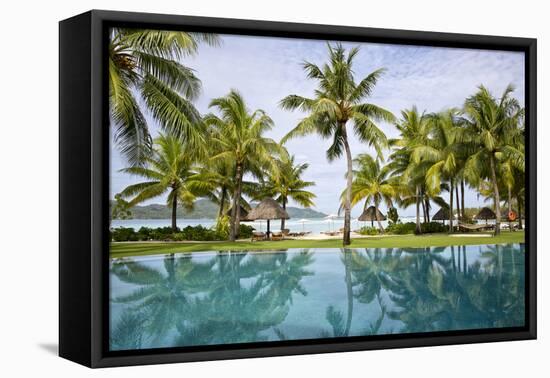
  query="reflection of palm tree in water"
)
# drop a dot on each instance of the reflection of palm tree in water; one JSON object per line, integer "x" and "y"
{"x": 162, "y": 295}
{"x": 230, "y": 298}
{"x": 366, "y": 272}
{"x": 237, "y": 311}
{"x": 455, "y": 295}
{"x": 334, "y": 317}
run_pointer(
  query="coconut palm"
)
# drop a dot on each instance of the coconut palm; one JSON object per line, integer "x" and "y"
{"x": 169, "y": 169}
{"x": 441, "y": 151}
{"x": 493, "y": 125}
{"x": 287, "y": 183}
{"x": 413, "y": 128}
{"x": 145, "y": 65}
{"x": 372, "y": 185}
{"x": 238, "y": 136}
{"x": 339, "y": 101}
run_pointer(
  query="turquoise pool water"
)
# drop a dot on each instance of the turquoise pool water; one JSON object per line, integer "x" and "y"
{"x": 237, "y": 297}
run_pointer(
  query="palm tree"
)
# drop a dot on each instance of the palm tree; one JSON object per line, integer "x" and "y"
{"x": 144, "y": 64}
{"x": 287, "y": 183}
{"x": 413, "y": 129}
{"x": 339, "y": 100}
{"x": 238, "y": 137}
{"x": 493, "y": 125}
{"x": 442, "y": 152}
{"x": 372, "y": 184}
{"x": 170, "y": 168}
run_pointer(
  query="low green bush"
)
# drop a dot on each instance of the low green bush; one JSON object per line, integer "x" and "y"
{"x": 245, "y": 231}
{"x": 189, "y": 233}
{"x": 410, "y": 227}
{"x": 369, "y": 231}
{"x": 401, "y": 228}
{"x": 433, "y": 227}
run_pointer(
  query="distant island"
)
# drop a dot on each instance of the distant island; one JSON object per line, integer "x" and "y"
{"x": 206, "y": 209}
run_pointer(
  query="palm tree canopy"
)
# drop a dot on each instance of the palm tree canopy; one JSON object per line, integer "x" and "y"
{"x": 287, "y": 182}
{"x": 494, "y": 129}
{"x": 144, "y": 65}
{"x": 371, "y": 182}
{"x": 169, "y": 168}
{"x": 339, "y": 99}
{"x": 238, "y": 134}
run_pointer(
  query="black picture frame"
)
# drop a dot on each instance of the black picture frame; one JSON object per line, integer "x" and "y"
{"x": 84, "y": 181}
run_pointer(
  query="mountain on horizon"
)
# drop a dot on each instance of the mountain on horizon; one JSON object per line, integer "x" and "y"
{"x": 205, "y": 209}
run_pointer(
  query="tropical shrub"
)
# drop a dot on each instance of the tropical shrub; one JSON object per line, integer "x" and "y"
{"x": 245, "y": 231}
{"x": 434, "y": 227}
{"x": 189, "y": 233}
{"x": 409, "y": 227}
{"x": 222, "y": 226}
{"x": 401, "y": 228}
{"x": 369, "y": 231}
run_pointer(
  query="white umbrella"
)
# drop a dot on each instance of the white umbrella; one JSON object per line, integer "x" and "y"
{"x": 303, "y": 220}
{"x": 330, "y": 219}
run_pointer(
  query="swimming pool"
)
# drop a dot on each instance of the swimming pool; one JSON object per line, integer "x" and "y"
{"x": 210, "y": 298}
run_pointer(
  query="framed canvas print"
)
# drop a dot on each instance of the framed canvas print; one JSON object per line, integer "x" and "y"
{"x": 233, "y": 188}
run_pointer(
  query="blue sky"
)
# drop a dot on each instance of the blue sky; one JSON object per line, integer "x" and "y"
{"x": 265, "y": 70}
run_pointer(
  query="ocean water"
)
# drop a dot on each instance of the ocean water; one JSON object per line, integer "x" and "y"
{"x": 315, "y": 225}
{"x": 212, "y": 298}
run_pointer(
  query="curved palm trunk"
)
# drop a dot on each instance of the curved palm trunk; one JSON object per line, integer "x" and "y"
{"x": 376, "y": 215}
{"x": 451, "y": 206}
{"x": 222, "y": 201}
{"x": 423, "y": 208}
{"x": 457, "y": 202}
{"x": 520, "y": 223}
{"x": 509, "y": 209}
{"x": 496, "y": 193}
{"x": 235, "y": 213}
{"x": 347, "y": 203}
{"x": 282, "y": 219}
{"x": 174, "y": 211}
{"x": 418, "y": 229}
{"x": 427, "y": 209}
{"x": 462, "y": 199}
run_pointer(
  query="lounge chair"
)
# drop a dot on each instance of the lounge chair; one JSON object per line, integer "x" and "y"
{"x": 331, "y": 233}
{"x": 256, "y": 236}
{"x": 277, "y": 236}
{"x": 286, "y": 232}
{"x": 475, "y": 227}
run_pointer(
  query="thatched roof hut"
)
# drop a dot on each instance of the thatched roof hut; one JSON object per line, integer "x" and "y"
{"x": 486, "y": 213}
{"x": 268, "y": 209}
{"x": 441, "y": 215}
{"x": 368, "y": 215}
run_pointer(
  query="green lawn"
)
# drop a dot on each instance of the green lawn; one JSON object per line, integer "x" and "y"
{"x": 395, "y": 241}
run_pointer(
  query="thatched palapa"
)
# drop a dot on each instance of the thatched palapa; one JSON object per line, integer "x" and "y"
{"x": 486, "y": 213}
{"x": 368, "y": 215}
{"x": 268, "y": 209}
{"x": 441, "y": 215}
